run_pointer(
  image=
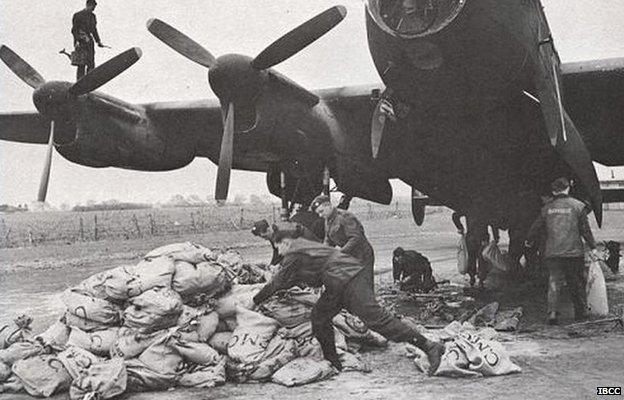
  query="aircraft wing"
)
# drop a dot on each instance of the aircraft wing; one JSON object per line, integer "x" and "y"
{"x": 594, "y": 99}
{"x": 24, "y": 127}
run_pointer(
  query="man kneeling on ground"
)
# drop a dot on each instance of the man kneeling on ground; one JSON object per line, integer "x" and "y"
{"x": 347, "y": 285}
{"x": 412, "y": 271}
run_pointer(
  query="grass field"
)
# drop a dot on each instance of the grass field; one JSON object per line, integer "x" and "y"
{"x": 35, "y": 228}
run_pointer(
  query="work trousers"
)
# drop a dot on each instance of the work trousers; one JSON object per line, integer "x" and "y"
{"x": 570, "y": 270}
{"x": 477, "y": 266}
{"x": 358, "y": 298}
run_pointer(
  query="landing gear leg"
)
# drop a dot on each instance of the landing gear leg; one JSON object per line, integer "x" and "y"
{"x": 284, "y": 214}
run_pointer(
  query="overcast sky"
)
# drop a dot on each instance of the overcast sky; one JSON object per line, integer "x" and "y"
{"x": 36, "y": 30}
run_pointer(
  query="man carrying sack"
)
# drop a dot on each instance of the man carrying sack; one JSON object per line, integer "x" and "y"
{"x": 564, "y": 220}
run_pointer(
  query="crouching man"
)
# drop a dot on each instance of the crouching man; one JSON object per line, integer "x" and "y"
{"x": 412, "y": 271}
{"x": 347, "y": 285}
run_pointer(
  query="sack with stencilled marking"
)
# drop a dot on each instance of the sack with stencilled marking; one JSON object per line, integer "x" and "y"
{"x": 471, "y": 354}
{"x": 100, "y": 311}
{"x": 42, "y": 375}
{"x": 153, "y": 310}
{"x": 307, "y": 344}
{"x": 251, "y": 337}
{"x": 133, "y": 280}
{"x": 97, "y": 342}
{"x": 102, "y": 380}
{"x": 17, "y": 331}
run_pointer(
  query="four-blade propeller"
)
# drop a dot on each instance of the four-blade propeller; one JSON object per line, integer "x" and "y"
{"x": 281, "y": 49}
{"x": 51, "y": 99}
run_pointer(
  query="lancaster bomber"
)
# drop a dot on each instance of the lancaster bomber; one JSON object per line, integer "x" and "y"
{"x": 476, "y": 112}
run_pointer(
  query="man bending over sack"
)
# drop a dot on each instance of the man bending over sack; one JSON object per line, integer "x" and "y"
{"x": 347, "y": 285}
{"x": 412, "y": 270}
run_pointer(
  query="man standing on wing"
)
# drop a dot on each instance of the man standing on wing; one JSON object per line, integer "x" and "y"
{"x": 347, "y": 285}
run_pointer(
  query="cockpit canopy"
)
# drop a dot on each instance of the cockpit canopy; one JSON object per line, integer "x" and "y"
{"x": 413, "y": 18}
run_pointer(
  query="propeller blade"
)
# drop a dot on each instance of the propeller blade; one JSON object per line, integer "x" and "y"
{"x": 181, "y": 43}
{"x": 377, "y": 127}
{"x": 225, "y": 158}
{"x": 300, "y": 37}
{"x": 21, "y": 68}
{"x": 47, "y": 165}
{"x": 105, "y": 72}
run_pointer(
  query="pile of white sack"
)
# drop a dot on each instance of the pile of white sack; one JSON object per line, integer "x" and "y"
{"x": 183, "y": 316}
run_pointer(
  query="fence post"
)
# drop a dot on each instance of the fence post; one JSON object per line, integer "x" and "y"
{"x": 30, "y": 237}
{"x": 136, "y": 225}
{"x": 81, "y": 229}
{"x": 242, "y": 220}
{"x": 273, "y": 209}
{"x": 95, "y": 228}
{"x": 370, "y": 211}
{"x": 193, "y": 226}
{"x": 152, "y": 224}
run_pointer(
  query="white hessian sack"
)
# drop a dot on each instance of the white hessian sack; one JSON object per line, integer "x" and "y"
{"x": 251, "y": 337}
{"x": 307, "y": 344}
{"x": 470, "y": 354}
{"x": 130, "y": 343}
{"x": 278, "y": 353}
{"x": 97, "y": 342}
{"x": 291, "y": 307}
{"x": 156, "y": 309}
{"x": 354, "y": 329}
{"x": 492, "y": 254}
{"x": 208, "y": 278}
{"x": 77, "y": 361}
{"x": 596, "y": 290}
{"x": 42, "y": 375}
{"x": 94, "y": 286}
{"x": 17, "y": 331}
{"x": 239, "y": 295}
{"x": 19, "y": 351}
{"x": 302, "y": 371}
{"x": 55, "y": 336}
{"x": 5, "y": 372}
{"x": 91, "y": 308}
{"x": 103, "y": 380}
{"x": 187, "y": 251}
{"x": 204, "y": 376}
{"x": 462, "y": 255}
{"x": 162, "y": 356}
{"x": 195, "y": 352}
{"x": 219, "y": 341}
{"x": 130, "y": 281}
{"x": 143, "y": 379}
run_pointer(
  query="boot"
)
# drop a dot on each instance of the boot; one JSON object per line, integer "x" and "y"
{"x": 434, "y": 352}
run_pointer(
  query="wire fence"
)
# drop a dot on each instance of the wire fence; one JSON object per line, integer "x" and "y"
{"x": 35, "y": 228}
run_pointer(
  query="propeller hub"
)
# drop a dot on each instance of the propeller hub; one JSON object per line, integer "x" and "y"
{"x": 53, "y": 100}
{"x": 233, "y": 79}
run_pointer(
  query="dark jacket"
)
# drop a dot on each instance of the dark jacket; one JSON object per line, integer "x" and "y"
{"x": 565, "y": 222}
{"x": 410, "y": 263}
{"x": 344, "y": 230}
{"x": 314, "y": 264}
{"x": 84, "y": 21}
